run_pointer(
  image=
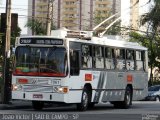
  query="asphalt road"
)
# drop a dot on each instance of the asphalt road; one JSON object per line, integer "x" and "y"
{"x": 138, "y": 111}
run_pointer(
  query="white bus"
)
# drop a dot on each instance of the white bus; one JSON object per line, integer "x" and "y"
{"x": 75, "y": 68}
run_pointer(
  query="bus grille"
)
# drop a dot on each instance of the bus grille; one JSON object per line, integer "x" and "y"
{"x": 37, "y": 88}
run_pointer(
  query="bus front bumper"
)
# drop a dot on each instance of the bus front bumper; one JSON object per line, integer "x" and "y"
{"x": 38, "y": 96}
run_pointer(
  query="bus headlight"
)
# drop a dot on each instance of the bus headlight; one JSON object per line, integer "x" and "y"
{"x": 16, "y": 87}
{"x": 61, "y": 89}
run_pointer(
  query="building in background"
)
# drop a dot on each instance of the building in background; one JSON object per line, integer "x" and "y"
{"x": 74, "y": 14}
{"x": 134, "y": 14}
{"x": 38, "y": 9}
{"x": 85, "y": 14}
{"x": 131, "y": 11}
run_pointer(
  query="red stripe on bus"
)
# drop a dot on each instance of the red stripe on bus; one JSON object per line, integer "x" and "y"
{"x": 39, "y": 74}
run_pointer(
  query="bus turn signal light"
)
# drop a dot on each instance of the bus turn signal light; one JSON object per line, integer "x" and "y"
{"x": 88, "y": 77}
{"x": 22, "y": 81}
{"x": 63, "y": 89}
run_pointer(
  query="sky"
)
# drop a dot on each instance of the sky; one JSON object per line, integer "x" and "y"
{"x": 20, "y": 7}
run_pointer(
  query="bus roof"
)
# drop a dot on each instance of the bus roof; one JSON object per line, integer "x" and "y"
{"x": 99, "y": 41}
{"x": 111, "y": 43}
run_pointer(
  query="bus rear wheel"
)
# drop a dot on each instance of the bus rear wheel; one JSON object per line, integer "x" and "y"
{"x": 84, "y": 101}
{"x": 127, "y": 100}
{"x": 38, "y": 105}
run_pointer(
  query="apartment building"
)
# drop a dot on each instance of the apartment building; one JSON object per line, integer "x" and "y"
{"x": 38, "y": 9}
{"x": 80, "y": 14}
{"x": 73, "y": 14}
{"x": 134, "y": 14}
{"x": 85, "y": 14}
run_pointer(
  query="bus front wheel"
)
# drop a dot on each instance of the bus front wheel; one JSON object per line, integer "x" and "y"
{"x": 38, "y": 105}
{"x": 84, "y": 101}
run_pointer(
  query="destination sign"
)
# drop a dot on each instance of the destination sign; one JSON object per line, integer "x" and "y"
{"x": 41, "y": 41}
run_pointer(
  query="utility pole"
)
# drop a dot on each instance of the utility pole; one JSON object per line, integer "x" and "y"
{"x": 49, "y": 17}
{"x": 6, "y": 92}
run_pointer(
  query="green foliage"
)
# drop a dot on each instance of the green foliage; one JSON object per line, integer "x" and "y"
{"x": 36, "y": 26}
{"x": 14, "y": 34}
{"x": 153, "y": 51}
{"x": 153, "y": 16}
{"x": 115, "y": 29}
{"x": 99, "y": 17}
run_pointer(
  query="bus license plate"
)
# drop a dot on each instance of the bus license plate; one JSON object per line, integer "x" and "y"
{"x": 39, "y": 96}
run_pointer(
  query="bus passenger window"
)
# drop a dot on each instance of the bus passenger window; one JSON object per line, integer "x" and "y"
{"x": 140, "y": 57}
{"x": 74, "y": 62}
{"x": 120, "y": 58}
{"x": 109, "y": 58}
{"x": 98, "y": 57}
{"x": 86, "y": 56}
{"x": 130, "y": 60}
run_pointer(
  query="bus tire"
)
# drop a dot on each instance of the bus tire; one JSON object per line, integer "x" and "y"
{"x": 127, "y": 98}
{"x": 84, "y": 101}
{"x": 38, "y": 105}
{"x": 91, "y": 105}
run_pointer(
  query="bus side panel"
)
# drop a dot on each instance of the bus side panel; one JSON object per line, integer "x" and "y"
{"x": 140, "y": 85}
{"x": 77, "y": 84}
{"x": 114, "y": 87}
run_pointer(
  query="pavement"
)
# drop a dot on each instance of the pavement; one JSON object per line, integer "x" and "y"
{"x": 16, "y": 104}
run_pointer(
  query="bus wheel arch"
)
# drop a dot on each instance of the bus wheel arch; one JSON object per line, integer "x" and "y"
{"x": 86, "y": 97}
{"x": 127, "y": 102}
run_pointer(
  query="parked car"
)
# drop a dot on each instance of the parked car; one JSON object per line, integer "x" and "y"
{"x": 153, "y": 93}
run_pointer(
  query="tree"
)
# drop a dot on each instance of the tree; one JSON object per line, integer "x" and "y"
{"x": 99, "y": 17}
{"x": 151, "y": 40}
{"x": 38, "y": 27}
{"x": 14, "y": 34}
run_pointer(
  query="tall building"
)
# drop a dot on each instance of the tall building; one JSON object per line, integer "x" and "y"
{"x": 134, "y": 14}
{"x": 74, "y": 14}
{"x": 85, "y": 14}
{"x": 131, "y": 11}
{"x": 38, "y": 9}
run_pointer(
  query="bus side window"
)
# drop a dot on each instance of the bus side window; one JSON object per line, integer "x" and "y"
{"x": 130, "y": 60}
{"x": 86, "y": 56}
{"x": 140, "y": 58}
{"x": 109, "y": 58}
{"x": 120, "y": 58}
{"x": 98, "y": 57}
{"x": 74, "y": 62}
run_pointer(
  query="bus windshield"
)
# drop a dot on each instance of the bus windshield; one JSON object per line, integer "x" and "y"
{"x": 40, "y": 61}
